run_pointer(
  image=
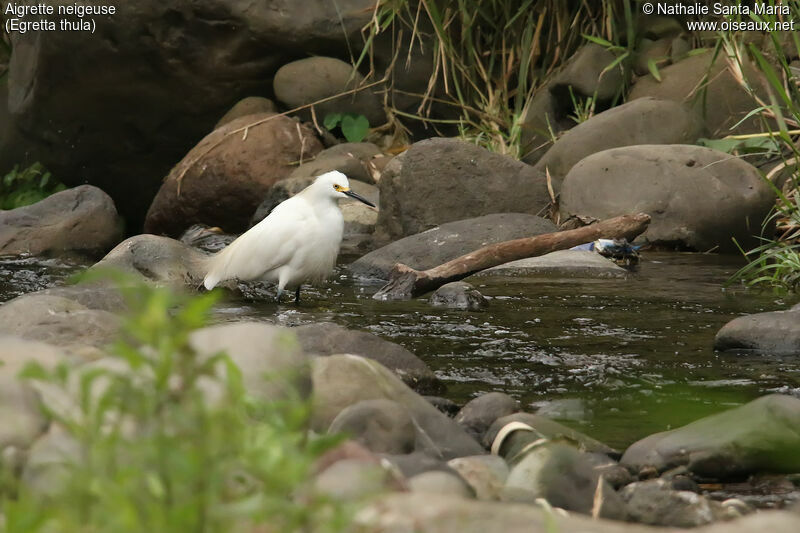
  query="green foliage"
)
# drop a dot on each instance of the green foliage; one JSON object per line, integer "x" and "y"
{"x": 24, "y": 187}
{"x": 172, "y": 442}
{"x": 739, "y": 145}
{"x": 354, "y": 127}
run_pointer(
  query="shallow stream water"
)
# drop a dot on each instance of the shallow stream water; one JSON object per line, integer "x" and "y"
{"x": 616, "y": 358}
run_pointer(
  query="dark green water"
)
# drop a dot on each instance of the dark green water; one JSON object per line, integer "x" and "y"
{"x": 636, "y": 353}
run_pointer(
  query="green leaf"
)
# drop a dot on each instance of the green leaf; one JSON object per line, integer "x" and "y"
{"x": 653, "y": 68}
{"x": 355, "y": 127}
{"x": 331, "y": 120}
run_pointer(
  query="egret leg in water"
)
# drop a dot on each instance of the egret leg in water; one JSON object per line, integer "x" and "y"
{"x": 296, "y": 243}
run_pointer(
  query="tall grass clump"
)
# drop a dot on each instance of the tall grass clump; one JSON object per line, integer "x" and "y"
{"x": 776, "y": 261}
{"x": 490, "y": 56}
{"x": 154, "y": 451}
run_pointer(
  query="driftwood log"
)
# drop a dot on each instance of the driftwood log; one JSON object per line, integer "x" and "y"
{"x": 406, "y": 282}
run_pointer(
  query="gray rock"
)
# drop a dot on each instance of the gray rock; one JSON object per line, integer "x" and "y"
{"x": 642, "y": 121}
{"x": 59, "y": 321}
{"x": 698, "y": 198}
{"x": 100, "y": 296}
{"x": 760, "y": 436}
{"x": 359, "y": 225}
{"x": 776, "y": 333}
{"x": 543, "y": 427}
{"x": 440, "y": 482}
{"x": 158, "y": 259}
{"x": 309, "y": 80}
{"x": 325, "y": 338}
{"x": 564, "y": 477}
{"x": 458, "y": 295}
{"x": 480, "y": 413}
{"x": 382, "y": 426}
{"x": 344, "y": 380}
{"x": 654, "y": 502}
{"x": 444, "y": 405}
{"x": 272, "y": 363}
{"x": 486, "y": 474}
{"x": 252, "y": 105}
{"x": 448, "y": 241}
{"x": 648, "y": 51}
{"x": 542, "y": 119}
{"x": 351, "y": 480}
{"x": 411, "y": 464}
{"x": 563, "y": 264}
{"x": 51, "y": 461}
{"x": 179, "y": 67}
{"x": 224, "y": 179}
{"x": 705, "y": 82}
{"x": 82, "y": 219}
{"x": 584, "y": 73}
{"x": 352, "y": 159}
{"x": 441, "y": 180}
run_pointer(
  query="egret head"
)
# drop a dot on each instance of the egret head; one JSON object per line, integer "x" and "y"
{"x": 335, "y": 185}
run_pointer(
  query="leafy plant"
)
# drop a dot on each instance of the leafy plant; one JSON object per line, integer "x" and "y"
{"x": 354, "y": 126}
{"x": 24, "y": 187}
{"x": 158, "y": 452}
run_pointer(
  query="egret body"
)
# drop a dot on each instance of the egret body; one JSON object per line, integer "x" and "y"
{"x": 297, "y": 242}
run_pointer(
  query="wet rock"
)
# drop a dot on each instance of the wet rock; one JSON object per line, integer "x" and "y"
{"x": 776, "y": 333}
{"x": 698, "y": 198}
{"x": 159, "y": 259}
{"x": 459, "y": 295}
{"x": 584, "y": 73}
{"x": 177, "y": 68}
{"x": 642, "y": 121}
{"x": 486, "y": 474}
{"x": 309, "y": 80}
{"x": 442, "y": 180}
{"x": 444, "y": 405}
{"x": 344, "y": 380}
{"x": 704, "y": 81}
{"x": 480, "y": 413}
{"x": 448, "y": 241}
{"x": 563, "y": 263}
{"x": 564, "y": 477}
{"x": 325, "y": 338}
{"x": 382, "y": 426}
{"x": 226, "y": 184}
{"x": 760, "y": 436}
{"x": 252, "y": 105}
{"x": 654, "y": 502}
{"x": 440, "y": 482}
{"x": 272, "y": 363}
{"x": 82, "y": 219}
{"x": 613, "y": 472}
{"x": 60, "y": 322}
{"x": 351, "y": 480}
{"x": 542, "y": 427}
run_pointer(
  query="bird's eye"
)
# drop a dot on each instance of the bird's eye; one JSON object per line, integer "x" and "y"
{"x": 337, "y": 187}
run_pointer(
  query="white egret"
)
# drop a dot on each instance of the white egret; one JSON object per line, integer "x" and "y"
{"x": 297, "y": 242}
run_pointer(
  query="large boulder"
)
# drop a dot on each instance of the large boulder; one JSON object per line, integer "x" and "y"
{"x": 326, "y": 338}
{"x": 642, "y": 121}
{"x": 252, "y": 105}
{"x": 587, "y": 74}
{"x": 448, "y": 241}
{"x": 774, "y": 333}
{"x": 159, "y": 259}
{"x": 760, "y": 436}
{"x": 343, "y": 380}
{"x": 119, "y": 106}
{"x": 655, "y": 502}
{"x": 82, "y": 219}
{"x": 441, "y": 180}
{"x": 708, "y": 82}
{"x": 312, "y": 79}
{"x": 222, "y": 180}
{"x": 698, "y": 198}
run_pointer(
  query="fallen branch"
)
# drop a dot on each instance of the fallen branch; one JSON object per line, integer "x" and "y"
{"x": 406, "y": 282}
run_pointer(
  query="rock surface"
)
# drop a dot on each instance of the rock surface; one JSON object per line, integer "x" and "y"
{"x": 480, "y": 413}
{"x": 158, "y": 259}
{"x": 760, "y": 436}
{"x": 442, "y": 180}
{"x": 344, "y": 380}
{"x": 448, "y": 241}
{"x": 232, "y": 175}
{"x": 381, "y": 426}
{"x": 82, "y": 219}
{"x": 698, "y": 198}
{"x": 546, "y": 428}
{"x": 252, "y": 105}
{"x": 326, "y": 338}
{"x": 458, "y": 295}
{"x": 486, "y": 474}
{"x": 654, "y": 502}
{"x": 563, "y": 263}
{"x": 775, "y": 333}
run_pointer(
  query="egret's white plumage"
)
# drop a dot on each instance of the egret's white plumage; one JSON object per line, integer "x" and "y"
{"x": 297, "y": 242}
